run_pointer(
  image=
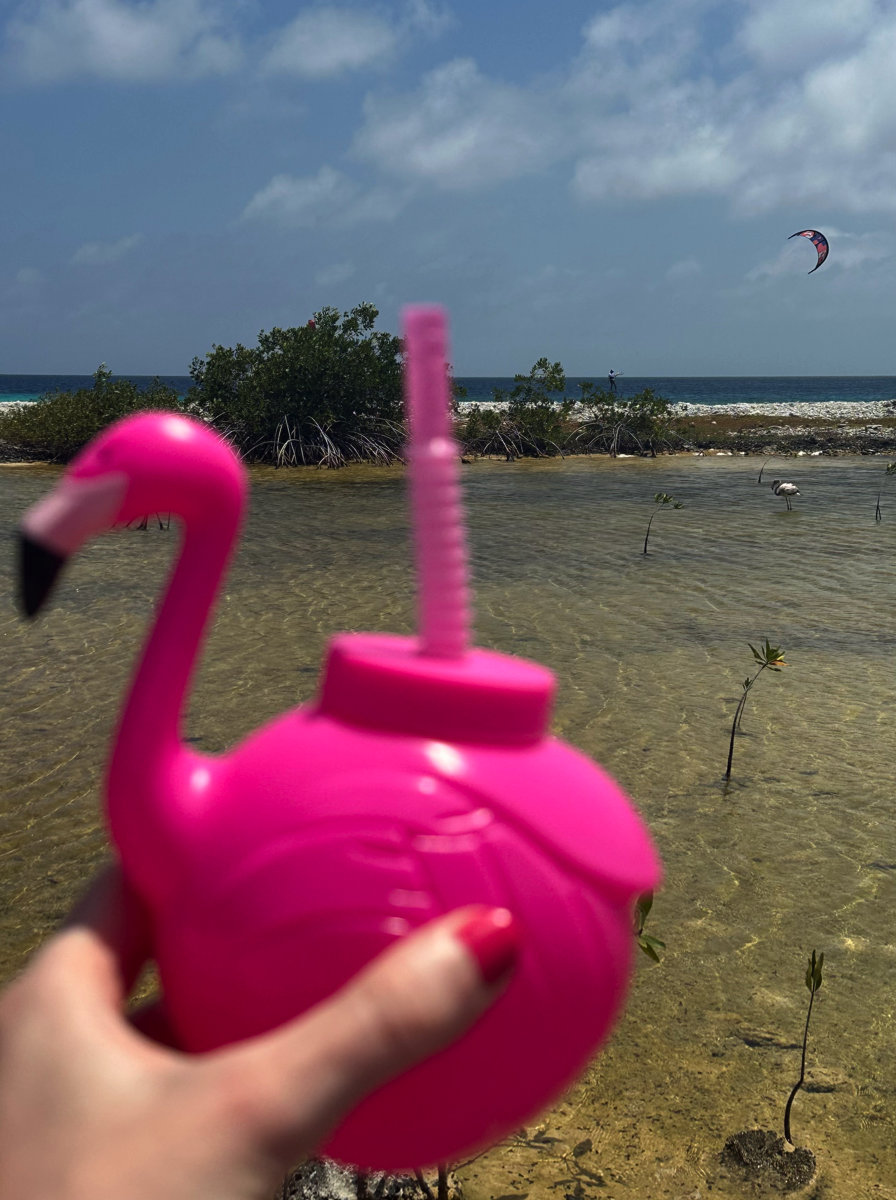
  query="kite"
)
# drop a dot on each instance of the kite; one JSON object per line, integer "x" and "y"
{"x": 818, "y": 240}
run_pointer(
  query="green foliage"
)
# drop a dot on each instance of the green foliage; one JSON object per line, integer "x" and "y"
{"x": 537, "y": 418}
{"x": 481, "y": 431}
{"x": 323, "y": 394}
{"x": 768, "y": 657}
{"x": 813, "y": 983}
{"x": 56, "y": 426}
{"x": 534, "y": 418}
{"x": 612, "y": 424}
{"x": 813, "y": 973}
{"x": 646, "y": 942}
{"x": 660, "y": 500}
{"x": 538, "y": 411}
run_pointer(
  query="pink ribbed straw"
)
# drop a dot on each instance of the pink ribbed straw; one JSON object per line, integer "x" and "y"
{"x": 443, "y": 609}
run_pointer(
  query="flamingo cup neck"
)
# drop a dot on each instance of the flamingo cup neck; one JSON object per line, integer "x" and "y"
{"x": 384, "y": 683}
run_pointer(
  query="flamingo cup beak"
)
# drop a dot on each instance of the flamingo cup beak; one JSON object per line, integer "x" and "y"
{"x": 59, "y": 524}
{"x": 38, "y": 569}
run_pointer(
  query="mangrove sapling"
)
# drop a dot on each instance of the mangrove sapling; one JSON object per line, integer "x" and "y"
{"x": 660, "y": 500}
{"x": 646, "y": 942}
{"x": 768, "y": 656}
{"x": 813, "y": 983}
{"x": 891, "y": 470}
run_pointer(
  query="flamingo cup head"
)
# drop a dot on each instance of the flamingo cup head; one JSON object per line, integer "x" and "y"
{"x": 139, "y": 464}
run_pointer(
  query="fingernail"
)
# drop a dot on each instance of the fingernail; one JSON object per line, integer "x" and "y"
{"x": 492, "y": 936}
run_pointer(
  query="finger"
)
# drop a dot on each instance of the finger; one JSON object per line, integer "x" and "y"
{"x": 413, "y": 1000}
{"x": 105, "y": 940}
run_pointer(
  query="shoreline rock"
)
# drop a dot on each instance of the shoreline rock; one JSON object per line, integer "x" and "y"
{"x": 831, "y": 410}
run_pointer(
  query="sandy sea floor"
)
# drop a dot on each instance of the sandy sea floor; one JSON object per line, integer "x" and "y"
{"x": 799, "y": 852}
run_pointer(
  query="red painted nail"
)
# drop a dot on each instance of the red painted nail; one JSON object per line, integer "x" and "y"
{"x": 492, "y": 936}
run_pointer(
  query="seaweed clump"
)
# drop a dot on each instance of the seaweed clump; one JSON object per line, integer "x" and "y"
{"x": 763, "y": 1155}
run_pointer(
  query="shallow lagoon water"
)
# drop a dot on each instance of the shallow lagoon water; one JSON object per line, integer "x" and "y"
{"x": 799, "y": 852}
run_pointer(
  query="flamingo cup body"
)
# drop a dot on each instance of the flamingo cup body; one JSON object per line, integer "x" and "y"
{"x": 322, "y": 841}
{"x": 412, "y": 785}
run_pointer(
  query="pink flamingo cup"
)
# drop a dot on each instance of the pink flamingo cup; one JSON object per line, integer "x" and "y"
{"x": 422, "y": 778}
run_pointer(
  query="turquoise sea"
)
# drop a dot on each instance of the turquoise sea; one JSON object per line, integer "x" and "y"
{"x": 721, "y": 389}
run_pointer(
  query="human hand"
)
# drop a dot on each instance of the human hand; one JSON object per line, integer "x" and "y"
{"x": 93, "y": 1109}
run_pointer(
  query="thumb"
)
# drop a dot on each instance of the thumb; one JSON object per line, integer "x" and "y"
{"x": 411, "y": 1001}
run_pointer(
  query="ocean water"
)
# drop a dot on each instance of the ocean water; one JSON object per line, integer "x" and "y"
{"x": 723, "y": 389}
{"x": 798, "y": 852}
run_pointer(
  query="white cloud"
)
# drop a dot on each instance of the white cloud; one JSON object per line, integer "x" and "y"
{"x": 820, "y": 132}
{"x": 328, "y": 198}
{"x": 686, "y": 268}
{"x": 460, "y": 129}
{"x": 752, "y": 102}
{"x": 304, "y": 201}
{"x": 325, "y": 41}
{"x": 334, "y": 274}
{"x": 859, "y": 250}
{"x": 426, "y": 18}
{"x": 779, "y": 36}
{"x": 24, "y": 290}
{"x": 52, "y": 40}
{"x": 95, "y": 254}
{"x": 28, "y": 277}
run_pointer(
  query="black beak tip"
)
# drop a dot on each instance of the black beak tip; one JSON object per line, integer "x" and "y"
{"x": 38, "y": 569}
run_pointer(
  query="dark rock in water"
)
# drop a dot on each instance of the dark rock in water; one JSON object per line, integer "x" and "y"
{"x": 318, "y": 1179}
{"x": 321, "y": 1179}
{"x": 763, "y": 1156}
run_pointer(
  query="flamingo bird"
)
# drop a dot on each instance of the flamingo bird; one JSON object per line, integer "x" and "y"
{"x": 422, "y": 778}
{"x": 786, "y": 490}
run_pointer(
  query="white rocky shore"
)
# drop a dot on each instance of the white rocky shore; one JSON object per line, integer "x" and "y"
{"x": 831, "y": 410}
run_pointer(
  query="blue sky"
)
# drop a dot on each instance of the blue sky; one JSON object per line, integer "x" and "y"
{"x": 609, "y": 185}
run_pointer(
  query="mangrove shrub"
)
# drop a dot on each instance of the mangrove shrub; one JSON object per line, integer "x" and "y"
{"x": 614, "y": 424}
{"x": 534, "y": 418}
{"x": 324, "y": 393}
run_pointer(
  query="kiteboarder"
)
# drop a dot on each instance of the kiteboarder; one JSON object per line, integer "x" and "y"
{"x": 612, "y": 377}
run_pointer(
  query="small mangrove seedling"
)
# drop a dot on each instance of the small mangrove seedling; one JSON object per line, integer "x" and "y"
{"x": 767, "y": 656}
{"x": 660, "y": 500}
{"x": 891, "y": 470}
{"x": 649, "y": 944}
{"x": 813, "y": 983}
